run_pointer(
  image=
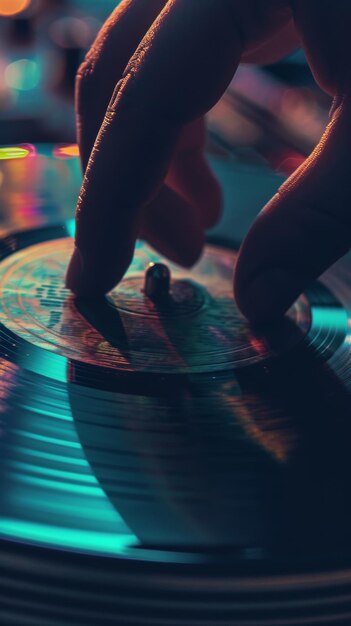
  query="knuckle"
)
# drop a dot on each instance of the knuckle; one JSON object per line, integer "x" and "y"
{"x": 86, "y": 72}
{"x": 86, "y": 84}
{"x": 256, "y": 19}
{"x": 126, "y": 95}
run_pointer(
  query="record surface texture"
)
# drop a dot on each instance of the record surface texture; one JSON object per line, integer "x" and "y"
{"x": 161, "y": 461}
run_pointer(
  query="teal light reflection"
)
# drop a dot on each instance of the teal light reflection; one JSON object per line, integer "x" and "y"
{"x": 52, "y": 497}
{"x": 47, "y": 456}
{"x": 71, "y": 227}
{"x": 67, "y": 538}
{"x": 44, "y": 363}
{"x": 60, "y": 475}
{"x": 49, "y": 440}
{"x": 330, "y": 317}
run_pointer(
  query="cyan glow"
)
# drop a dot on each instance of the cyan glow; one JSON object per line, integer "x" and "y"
{"x": 55, "y": 414}
{"x": 44, "y": 363}
{"x": 39, "y": 454}
{"x": 51, "y": 440}
{"x": 53, "y": 485}
{"x": 77, "y": 539}
{"x": 52, "y": 496}
{"x": 71, "y": 228}
{"x": 60, "y": 475}
{"x": 330, "y": 317}
{"x": 100, "y": 517}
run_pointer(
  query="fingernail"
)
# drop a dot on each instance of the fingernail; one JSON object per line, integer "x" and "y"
{"x": 270, "y": 295}
{"x": 74, "y": 276}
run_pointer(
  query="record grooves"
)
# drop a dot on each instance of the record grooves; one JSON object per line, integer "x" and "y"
{"x": 164, "y": 463}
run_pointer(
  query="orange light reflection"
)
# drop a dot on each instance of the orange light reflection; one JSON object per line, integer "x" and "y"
{"x": 63, "y": 152}
{"x": 13, "y": 7}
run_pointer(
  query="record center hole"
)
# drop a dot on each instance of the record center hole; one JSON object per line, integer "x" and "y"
{"x": 185, "y": 297}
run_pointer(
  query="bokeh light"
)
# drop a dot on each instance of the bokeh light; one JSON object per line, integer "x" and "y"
{"x": 71, "y": 32}
{"x": 13, "y": 7}
{"x": 23, "y": 75}
{"x": 13, "y": 152}
{"x": 66, "y": 151}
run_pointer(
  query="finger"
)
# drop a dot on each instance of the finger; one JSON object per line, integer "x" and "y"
{"x": 173, "y": 227}
{"x": 192, "y": 178}
{"x": 165, "y": 86}
{"x": 282, "y": 42}
{"x": 105, "y": 63}
{"x": 302, "y": 231}
{"x": 324, "y": 28}
{"x": 170, "y": 226}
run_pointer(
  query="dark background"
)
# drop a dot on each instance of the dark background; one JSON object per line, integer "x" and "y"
{"x": 267, "y": 122}
{"x": 40, "y": 50}
{"x": 43, "y": 44}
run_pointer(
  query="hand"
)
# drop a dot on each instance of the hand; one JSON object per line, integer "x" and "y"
{"x": 145, "y": 174}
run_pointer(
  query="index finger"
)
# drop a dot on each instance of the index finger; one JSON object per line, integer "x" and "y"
{"x": 179, "y": 71}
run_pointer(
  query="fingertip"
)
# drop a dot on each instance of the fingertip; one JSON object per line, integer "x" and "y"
{"x": 188, "y": 257}
{"x": 205, "y": 190}
{"x": 269, "y": 295}
{"x": 193, "y": 179}
{"x": 182, "y": 251}
{"x": 93, "y": 278}
{"x": 173, "y": 228}
{"x": 74, "y": 272}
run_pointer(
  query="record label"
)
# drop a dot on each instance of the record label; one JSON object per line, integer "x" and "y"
{"x": 198, "y": 329}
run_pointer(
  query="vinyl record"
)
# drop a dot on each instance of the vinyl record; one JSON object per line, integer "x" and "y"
{"x": 161, "y": 461}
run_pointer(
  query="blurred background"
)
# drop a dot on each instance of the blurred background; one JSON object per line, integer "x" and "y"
{"x": 267, "y": 122}
{"x": 42, "y": 44}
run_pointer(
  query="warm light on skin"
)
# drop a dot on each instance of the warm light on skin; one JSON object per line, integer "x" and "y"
{"x": 13, "y": 7}
{"x": 63, "y": 152}
{"x": 8, "y": 153}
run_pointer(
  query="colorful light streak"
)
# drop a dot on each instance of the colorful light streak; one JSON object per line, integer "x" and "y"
{"x": 66, "y": 151}
{"x": 77, "y": 539}
{"x": 13, "y": 152}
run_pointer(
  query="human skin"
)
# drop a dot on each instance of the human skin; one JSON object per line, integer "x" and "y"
{"x": 154, "y": 71}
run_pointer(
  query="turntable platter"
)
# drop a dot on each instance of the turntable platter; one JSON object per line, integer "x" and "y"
{"x": 168, "y": 450}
